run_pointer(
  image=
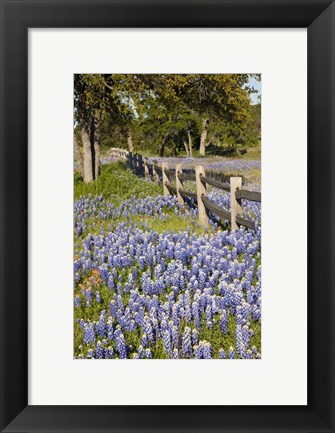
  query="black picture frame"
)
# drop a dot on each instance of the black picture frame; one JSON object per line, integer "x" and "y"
{"x": 16, "y": 18}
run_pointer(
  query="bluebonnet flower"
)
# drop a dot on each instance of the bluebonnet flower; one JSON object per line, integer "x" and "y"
{"x": 90, "y": 354}
{"x": 222, "y": 354}
{"x": 89, "y": 334}
{"x": 99, "y": 350}
{"x": 104, "y": 272}
{"x": 144, "y": 340}
{"x": 207, "y": 350}
{"x": 77, "y": 301}
{"x": 175, "y": 354}
{"x": 175, "y": 336}
{"x": 209, "y": 324}
{"x": 241, "y": 349}
{"x": 110, "y": 328}
{"x": 120, "y": 344}
{"x": 186, "y": 342}
{"x": 195, "y": 337}
{"x": 88, "y": 295}
{"x": 167, "y": 343}
{"x": 147, "y": 353}
{"x": 231, "y": 353}
{"x": 249, "y": 354}
{"x": 111, "y": 282}
{"x": 223, "y": 321}
{"x": 196, "y": 315}
{"x": 101, "y": 325}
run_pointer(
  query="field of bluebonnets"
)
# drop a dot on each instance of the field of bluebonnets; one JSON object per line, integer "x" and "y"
{"x": 149, "y": 283}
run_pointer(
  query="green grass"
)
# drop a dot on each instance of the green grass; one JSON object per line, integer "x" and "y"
{"x": 173, "y": 222}
{"x": 115, "y": 183}
{"x": 253, "y": 153}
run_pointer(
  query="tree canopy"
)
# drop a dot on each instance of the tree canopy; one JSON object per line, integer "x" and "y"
{"x": 163, "y": 114}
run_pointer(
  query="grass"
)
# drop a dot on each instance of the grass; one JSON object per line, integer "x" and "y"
{"x": 252, "y": 153}
{"x": 115, "y": 183}
{"x": 171, "y": 222}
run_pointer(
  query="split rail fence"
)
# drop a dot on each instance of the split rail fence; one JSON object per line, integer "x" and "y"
{"x": 167, "y": 176}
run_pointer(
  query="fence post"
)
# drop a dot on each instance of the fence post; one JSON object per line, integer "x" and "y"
{"x": 235, "y": 205}
{"x": 138, "y": 169}
{"x": 146, "y": 169}
{"x": 154, "y": 172}
{"x": 140, "y": 165}
{"x": 134, "y": 161}
{"x": 201, "y": 191}
{"x": 130, "y": 161}
{"x": 179, "y": 184}
{"x": 165, "y": 166}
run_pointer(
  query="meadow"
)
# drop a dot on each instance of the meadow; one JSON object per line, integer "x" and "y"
{"x": 149, "y": 283}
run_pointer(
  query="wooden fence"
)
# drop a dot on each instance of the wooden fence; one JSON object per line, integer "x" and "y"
{"x": 167, "y": 176}
{"x": 118, "y": 153}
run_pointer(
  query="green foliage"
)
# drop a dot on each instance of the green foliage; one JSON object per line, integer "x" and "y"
{"x": 166, "y": 112}
{"x": 115, "y": 182}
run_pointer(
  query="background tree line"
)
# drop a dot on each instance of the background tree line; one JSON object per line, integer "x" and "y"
{"x": 164, "y": 114}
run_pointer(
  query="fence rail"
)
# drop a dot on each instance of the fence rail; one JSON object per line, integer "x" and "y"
{"x": 216, "y": 183}
{"x": 115, "y": 152}
{"x": 189, "y": 194}
{"x": 190, "y": 177}
{"x": 248, "y": 195}
{"x": 166, "y": 175}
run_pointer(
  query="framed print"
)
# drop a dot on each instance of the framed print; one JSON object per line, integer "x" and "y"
{"x": 96, "y": 304}
{"x": 178, "y": 157}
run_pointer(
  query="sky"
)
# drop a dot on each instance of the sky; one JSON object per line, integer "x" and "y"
{"x": 258, "y": 86}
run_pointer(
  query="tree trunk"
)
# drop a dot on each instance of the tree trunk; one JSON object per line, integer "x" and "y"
{"x": 97, "y": 136}
{"x": 203, "y": 137}
{"x": 87, "y": 154}
{"x": 162, "y": 148}
{"x": 130, "y": 142}
{"x": 78, "y": 156}
{"x": 190, "y": 145}
{"x": 97, "y": 159}
{"x": 186, "y": 148}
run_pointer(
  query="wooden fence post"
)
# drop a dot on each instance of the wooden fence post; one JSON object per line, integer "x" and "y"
{"x": 154, "y": 172}
{"x": 130, "y": 161}
{"x": 135, "y": 162}
{"x": 138, "y": 170}
{"x": 235, "y": 205}
{"x": 140, "y": 165}
{"x": 146, "y": 169}
{"x": 179, "y": 184}
{"x": 165, "y": 166}
{"x": 201, "y": 191}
